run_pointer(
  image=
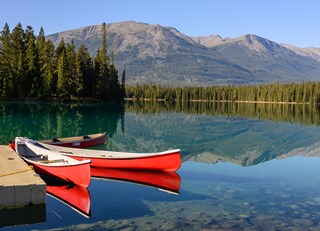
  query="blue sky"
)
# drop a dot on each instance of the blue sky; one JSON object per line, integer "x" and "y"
{"x": 296, "y": 22}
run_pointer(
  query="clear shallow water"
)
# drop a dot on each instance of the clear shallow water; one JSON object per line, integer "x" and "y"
{"x": 238, "y": 172}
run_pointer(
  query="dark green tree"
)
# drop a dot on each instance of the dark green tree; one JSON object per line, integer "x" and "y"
{"x": 46, "y": 65}
{"x": 107, "y": 86}
{"x": 102, "y": 70}
{"x": 85, "y": 76}
{"x": 33, "y": 82}
{"x": 62, "y": 83}
{"x": 7, "y": 72}
{"x": 71, "y": 74}
{"x": 123, "y": 84}
{"x": 50, "y": 69}
{"x": 18, "y": 58}
{"x": 114, "y": 91}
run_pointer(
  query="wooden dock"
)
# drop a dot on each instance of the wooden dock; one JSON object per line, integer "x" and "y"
{"x": 19, "y": 184}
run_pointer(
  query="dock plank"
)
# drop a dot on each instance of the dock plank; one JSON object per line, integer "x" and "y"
{"x": 19, "y": 184}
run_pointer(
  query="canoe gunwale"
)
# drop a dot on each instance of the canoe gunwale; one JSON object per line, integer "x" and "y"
{"x": 103, "y": 154}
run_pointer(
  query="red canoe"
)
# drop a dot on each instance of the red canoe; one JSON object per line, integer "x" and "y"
{"x": 165, "y": 181}
{"x": 79, "y": 141}
{"x": 74, "y": 196}
{"x": 169, "y": 160}
{"x": 53, "y": 164}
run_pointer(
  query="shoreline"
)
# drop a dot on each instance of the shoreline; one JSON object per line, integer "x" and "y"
{"x": 91, "y": 100}
{"x": 219, "y": 101}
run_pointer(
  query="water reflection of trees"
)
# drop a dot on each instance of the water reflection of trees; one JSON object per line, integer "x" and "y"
{"x": 305, "y": 114}
{"x": 48, "y": 120}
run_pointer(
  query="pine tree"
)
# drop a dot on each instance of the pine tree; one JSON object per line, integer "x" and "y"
{"x": 49, "y": 71}
{"x": 18, "y": 59}
{"x": 60, "y": 48}
{"x": 114, "y": 91}
{"x": 85, "y": 76}
{"x": 71, "y": 74}
{"x": 104, "y": 51}
{"x": 101, "y": 67}
{"x": 62, "y": 84}
{"x": 123, "y": 84}
{"x": 32, "y": 83}
{"x": 44, "y": 66}
{"x": 7, "y": 73}
{"x": 97, "y": 77}
{"x": 61, "y": 70}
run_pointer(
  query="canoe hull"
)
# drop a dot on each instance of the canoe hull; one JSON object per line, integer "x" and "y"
{"x": 79, "y": 174}
{"x": 169, "y": 160}
{"x": 165, "y": 162}
{"x": 79, "y": 142}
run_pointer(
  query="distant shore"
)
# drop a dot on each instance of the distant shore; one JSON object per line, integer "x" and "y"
{"x": 219, "y": 101}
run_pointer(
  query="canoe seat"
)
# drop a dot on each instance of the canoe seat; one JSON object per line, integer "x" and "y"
{"x": 43, "y": 157}
{"x": 86, "y": 137}
{"x": 30, "y": 156}
{"x": 53, "y": 161}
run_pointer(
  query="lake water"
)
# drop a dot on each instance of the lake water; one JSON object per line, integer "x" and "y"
{"x": 245, "y": 167}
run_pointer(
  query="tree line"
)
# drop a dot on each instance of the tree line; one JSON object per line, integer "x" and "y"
{"x": 304, "y": 92}
{"x": 31, "y": 67}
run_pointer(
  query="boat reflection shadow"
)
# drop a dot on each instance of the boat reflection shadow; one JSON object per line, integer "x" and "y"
{"x": 78, "y": 198}
{"x": 74, "y": 196}
{"x": 165, "y": 181}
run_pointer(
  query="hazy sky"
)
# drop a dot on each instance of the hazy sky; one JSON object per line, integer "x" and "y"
{"x": 296, "y": 22}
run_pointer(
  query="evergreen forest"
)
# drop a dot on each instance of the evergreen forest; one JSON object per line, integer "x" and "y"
{"x": 31, "y": 67}
{"x": 304, "y": 92}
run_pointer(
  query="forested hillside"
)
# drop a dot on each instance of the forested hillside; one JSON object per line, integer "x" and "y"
{"x": 305, "y": 92}
{"x": 31, "y": 67}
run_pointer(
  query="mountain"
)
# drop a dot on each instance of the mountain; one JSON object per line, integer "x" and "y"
{"x": 309, "y": 51}
{"x": 209, "y": 41}
{"x": 163, "y": 55}
{"x": 267, "y": 61}
{"x": 155, "y": 54}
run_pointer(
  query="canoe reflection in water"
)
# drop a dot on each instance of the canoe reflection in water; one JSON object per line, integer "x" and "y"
{"x": 74, "y": 196}
{"x": 164, "y": 181}
{"x": 78, "y": 198}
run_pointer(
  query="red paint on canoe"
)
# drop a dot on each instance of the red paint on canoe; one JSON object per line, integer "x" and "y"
{"x": 79, "y": 174}
{"x": 169, "y": 181}
{"x": 79, "y": 142}
{"x": 165, "y": 162}
{"x": 12, "y": 145}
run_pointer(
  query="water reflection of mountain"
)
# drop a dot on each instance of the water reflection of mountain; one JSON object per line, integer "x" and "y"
{"x": 47, "y": 120}
{"x": 211, "y": 138}
{"x": 310, "y": 151}
{"x": 245, "y": 134}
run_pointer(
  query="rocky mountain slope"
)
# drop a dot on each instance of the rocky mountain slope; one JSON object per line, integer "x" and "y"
{"x": 163, "y": 55}
{"x": 267, "y": 60}
{"x": 308, "y": 51}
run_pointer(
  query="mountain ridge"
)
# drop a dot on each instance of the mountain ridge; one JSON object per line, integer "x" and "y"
{"x": 151, "y": 53}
